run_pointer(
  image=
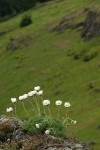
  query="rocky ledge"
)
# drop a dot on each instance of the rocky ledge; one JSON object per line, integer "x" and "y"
{"x": 12, "y": 136}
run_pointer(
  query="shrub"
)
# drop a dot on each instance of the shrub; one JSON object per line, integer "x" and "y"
{"x": 26, "y": 20}
{"x": 56, "y": 127}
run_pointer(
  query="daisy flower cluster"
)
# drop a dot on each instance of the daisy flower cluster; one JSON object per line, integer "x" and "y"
{"x": 41, "y": 107}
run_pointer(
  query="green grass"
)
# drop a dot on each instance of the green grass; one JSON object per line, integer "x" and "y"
{"x": 44, "y": 61}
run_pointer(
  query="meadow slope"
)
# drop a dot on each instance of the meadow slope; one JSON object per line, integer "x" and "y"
{"x": 36, "y": 55}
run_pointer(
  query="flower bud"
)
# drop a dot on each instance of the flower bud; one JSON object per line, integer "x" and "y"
{"x": 47, "y": 132}
{"x": 37, "y": 126}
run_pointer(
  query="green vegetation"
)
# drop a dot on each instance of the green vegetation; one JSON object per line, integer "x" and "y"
{"x": 46, "y": 58}
{"x": 43, "y": 120}
{"x": 53, "y": 125}
{"x": 10, "y": 8}
{"x": 26, "y": 20}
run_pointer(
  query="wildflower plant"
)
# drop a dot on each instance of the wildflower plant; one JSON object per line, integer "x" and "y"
{"x": 42, "y": 120}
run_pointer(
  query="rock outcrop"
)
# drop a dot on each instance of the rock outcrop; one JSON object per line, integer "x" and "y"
{"x": 90, "y": 27}
{"x": 13, "y": 136}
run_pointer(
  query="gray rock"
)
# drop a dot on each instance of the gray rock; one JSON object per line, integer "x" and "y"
{"x": 52, "y": 148}
{"x": 78, "y": 145}
{"x": 18, "y": 134}
{"x": 67, "y": 148}
{"x": 2, "y": 118}
{"x": 13, "y": 122}
{"x": 67, "y": 143}
{"x": 11, "y": 129}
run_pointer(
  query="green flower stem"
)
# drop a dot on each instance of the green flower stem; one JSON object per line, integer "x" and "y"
{"x": 58, "y": 112}
{"x": 49, "y": 111}
{"x": 25, "y": 109}
{"x": 66, "y": 116}
{"x": 39, "y": 104}
{"x": 45, "y": 111}
{"x": 13, "y": 114}
{"x": 15, "y": 110}
{"x": 66, "y": 113}
{"x": 32, "y": 105}
{"x": 43, "y": 106}
{"x": 38, "y": 109}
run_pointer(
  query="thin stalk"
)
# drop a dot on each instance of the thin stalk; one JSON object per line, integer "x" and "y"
{"x": 58, "y": 112}
{"x": 25, "y": 109}
{"x": 32, "y": 105}
{"x": 36, "y": 101}
{"x": 13, "y": 114}
{"x": 43, "y": 106}
{"x": 49, "y": 111}
{"x": 66, "y": 113}
{"x": 39, "y": 104}
{"x": 15, "y": 109}
{"x": 66, "y": 116}
{"x": 45, "y": 111}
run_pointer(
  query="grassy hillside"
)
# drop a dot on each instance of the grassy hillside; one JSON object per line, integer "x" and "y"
{"x": 46, "y": 58}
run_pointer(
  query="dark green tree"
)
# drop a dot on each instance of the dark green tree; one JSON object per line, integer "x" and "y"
{"x": 9, "y": 8}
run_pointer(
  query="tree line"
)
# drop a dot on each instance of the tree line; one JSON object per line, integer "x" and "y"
{"x": 10, "y": 8}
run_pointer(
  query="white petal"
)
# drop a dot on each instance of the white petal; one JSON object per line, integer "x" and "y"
{"x": 21, "y": 98}
{"x": 47, "y": 132}
{"x": 10, "y": 109}
{"x": 40, "y": 93}
{"x": 73, "y": 122}
{"x": 25, "y": 96}
{"x": 37, "y": 88}
{"x": 13, "y": 100}
{"x": 7, "y": 110}
{"x": 46, "y": 102}
{"x": 58, "y": 103}
{"x": 67, "y": 104}
{"x": 30, "y": 94}
{"x": 37, "y": 126}
{"x": 34, "y": 92}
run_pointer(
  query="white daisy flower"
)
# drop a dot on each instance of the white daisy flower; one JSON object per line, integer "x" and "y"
{"x": 21, "y": 98}
{"x": 58, "y": 103}
{"x": 37, "y": 88}
{"x": 10, "y": 109}
{"x": 34, "y": 92}
{"x": 13, "y": 100}
{"x": 67, "y": 104}
{"x": 40, "y": 93}
{"x": 25, "y": 96}
{"x": 31, "y": 93}
{"x": 73, "y": 122}
{"x": 7, "y": 110}
{"x": 46, "y": 102}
